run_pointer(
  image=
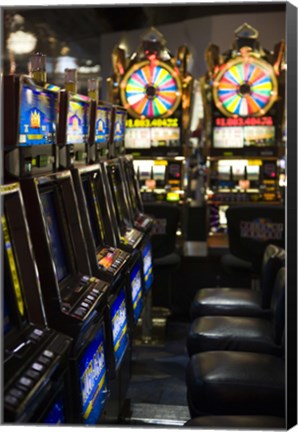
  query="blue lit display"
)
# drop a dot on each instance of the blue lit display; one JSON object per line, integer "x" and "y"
{"x": 38, "y": 115}
{"x": 93, "y": 379}
{"x": 119, "y": 126}
{"x": 77, "y": 121}
{"x": 57, "y": 246}
{"x": 102, "y": 125}
{"x": 147, "y": 266}
{"x": 56, "y": 413}
{"x": 119, "y": 326}
{"x": 136, "y": 291}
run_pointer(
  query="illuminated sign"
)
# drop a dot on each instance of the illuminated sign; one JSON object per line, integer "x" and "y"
{"x": 102, "y": 124}
{"x": 136, "y": 291}
{"x": 119, "y": 326}
{"x": 147, "y": 266}
{"x": 93, "y": 380}
{"x": 38, "y": 111}
{"x": 77, "y": 122}
{"x": 170, "y": 122}
{"x": 244, "y": 121}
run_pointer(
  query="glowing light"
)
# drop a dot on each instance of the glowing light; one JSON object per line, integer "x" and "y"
{"x": 21, "y": 42}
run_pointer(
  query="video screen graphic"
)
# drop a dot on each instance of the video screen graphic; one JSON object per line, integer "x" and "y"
{"x": 147, "y": 266}
{"x": 93, "y": 379}
{"x": 136, "y": 291}
{"x": 119, "y": 326}
{"x": 77, "y": 122}
{"x": 38, "y": 111}
{"x": 102, "y": 125}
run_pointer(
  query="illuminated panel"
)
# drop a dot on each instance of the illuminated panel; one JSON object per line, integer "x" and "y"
{"x": 77, "y": 121}
{"x": 93, "y": 379}
{"x": 245, "y": 87}
{"x": 119, "y": 326}
{"x": 102, "y": 125}
{"x": 147, "y": 266}
{"x": 136, "y": 291}
{"x": 119, "y": 126}
{"x": 55, "y": 414}
{"x": 151, "y": 89}
{"x": 38, "y": 111}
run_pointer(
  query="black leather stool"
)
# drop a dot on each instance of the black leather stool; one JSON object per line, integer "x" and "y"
{"x": 212, "y": 333}
{"x": 235, "y": 383}
{"x": 241, "y": 301}
{"x": 237, "y": 422}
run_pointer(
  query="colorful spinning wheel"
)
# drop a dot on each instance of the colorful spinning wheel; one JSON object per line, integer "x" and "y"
{"x": 245, "y": 87}
{"x": 151, "y": 89}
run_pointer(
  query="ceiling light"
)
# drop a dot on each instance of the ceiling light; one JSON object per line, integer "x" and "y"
{"x": 21, "y": 43}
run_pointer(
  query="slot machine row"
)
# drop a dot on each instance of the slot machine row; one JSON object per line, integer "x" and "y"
{"x": 161, "y": 179}
{"x": 94, "y": 266}
{"x": 80, "y": 301}
{"x": 243, "y": 180}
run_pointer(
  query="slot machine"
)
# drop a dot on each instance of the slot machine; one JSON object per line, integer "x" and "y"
{"x": 244, "y": 107}
{"x": 74, "y": 132}
{"x": 30, "y": 150}
{"x": 162, "y": 179}
{"x": 141, "y": 221}
{"x": 74, "y": 301}
{"x": 35, "y": 357}
{"x": 155, "y": 88}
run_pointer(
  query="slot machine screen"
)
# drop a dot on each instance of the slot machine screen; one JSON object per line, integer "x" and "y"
{"x": 130, "y": 182}
{"x": 227, "y": 137}
{"x": 137, "y": 138}
{"x": 225, "y": 166}
{"x": 159, "y": 172}
{"x": 143, "y": 167}
{"x": 118, "y": 194}
{"x": 119, "y": 127}
{"x": 118, "y": 313}
{"x": 56, "y": 240}
{"x": 93, "y": 379}
{"x": 147, "y": 266}
{"x": 55, "y": 414}
{"x": 38, "y": 116}
{"x": 253, "y": 171}
{"x": 102, "y": 125}
{"x": 136, "y": 291}
{"x": 165, "y": 136}
{"x": 77, "y": 121}
{"x": 260, "y": 136}
{"x": 93, "y": 211}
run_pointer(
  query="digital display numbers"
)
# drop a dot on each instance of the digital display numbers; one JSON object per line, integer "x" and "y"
{"x": 155, "y": 122}
{"x": 244, "y": 121}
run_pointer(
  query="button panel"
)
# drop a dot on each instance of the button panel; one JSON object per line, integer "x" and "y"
{"x": 35, "y": 372}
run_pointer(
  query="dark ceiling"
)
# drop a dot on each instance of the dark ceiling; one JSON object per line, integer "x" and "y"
{"x": 80, "y": 27}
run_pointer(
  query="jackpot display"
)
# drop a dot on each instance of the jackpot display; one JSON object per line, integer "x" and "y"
{"x": 245, "y": 98}
{"x": 77, "y": 120}
{"x": 153, "y": 88}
